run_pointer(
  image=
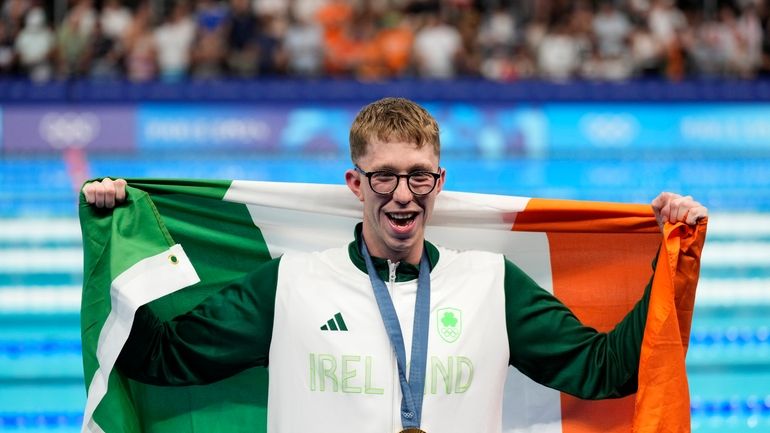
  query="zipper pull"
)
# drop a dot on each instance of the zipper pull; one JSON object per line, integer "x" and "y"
{"x": 392, "y": 271}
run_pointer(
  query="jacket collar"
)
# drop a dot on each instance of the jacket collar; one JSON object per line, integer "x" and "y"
{"x": 404, "y": 272}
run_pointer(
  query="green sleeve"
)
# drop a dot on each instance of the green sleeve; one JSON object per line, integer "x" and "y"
{"x": 550, "y": 345}
{"x": 225, "y": 334}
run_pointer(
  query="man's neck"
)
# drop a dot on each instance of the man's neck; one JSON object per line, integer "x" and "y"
{"x": 378, "y": 249}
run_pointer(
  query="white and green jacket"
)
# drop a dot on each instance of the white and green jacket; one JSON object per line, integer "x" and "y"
{"x": 312, "y": 318}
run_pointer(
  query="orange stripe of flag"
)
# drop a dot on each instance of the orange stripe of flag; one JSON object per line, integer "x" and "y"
{"x": 544, "y": 215}
{"x": 600, "y": 276}
{"x": 663, "y": 400}
{"x": 598, "y": 247}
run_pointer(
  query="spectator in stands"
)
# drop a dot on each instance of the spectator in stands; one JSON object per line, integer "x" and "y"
{"x": 581, "y": 18}
{"x": 523, "y": 63}
{"x": 273, "y": 8}
{"x": 7, "y": 52}
{"x": 647, "y": 56}
{"x": 665, "y": 20}
{"x": 437, "y": 47}
{"x": 496, "y": 40}
{"x": 666, "y": 23}
{"x": 367, "y": 60}
{"x": 701, "y": 43}
{"x": 34, "y": 46}
{"x": 498, "y": 65}
{"x": 765, "y": 64}
{"x": 242, "y": 39}
{"x": 559, "y": 52}
{"x": 749, "y": 34}
{"x": 613, "y": 67}
{"x": 303, "y": 46}
{"x": 272, "y": 30}
{"x": 305, "y": 10}
{"x": 14, "y": 13}
{"x": 469, "y": 58}
{"x": 497, "y": 30}
{"x": 211, "y": 16}
{"x": 395, "y": 41}
{"x": 115, "y": 20}
{"x": 103, "y": 54}
{"x": 210, "y": 53}
{"x": 422, "y": 38}
{"x": 73, "y": 40}
{"x": 335, "y": 17}
{"x": 139, "y": 46}
{"x": 173, "y": 42}
{"x": 611, "y": 29}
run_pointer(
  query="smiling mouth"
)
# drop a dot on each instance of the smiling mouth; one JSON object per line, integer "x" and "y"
{"x": 401, "y": 219}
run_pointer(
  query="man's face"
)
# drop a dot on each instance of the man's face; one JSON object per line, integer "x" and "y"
{"x": 394, "y": 224}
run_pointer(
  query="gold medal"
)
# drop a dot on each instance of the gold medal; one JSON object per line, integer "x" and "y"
{"x": 412, "y": 430}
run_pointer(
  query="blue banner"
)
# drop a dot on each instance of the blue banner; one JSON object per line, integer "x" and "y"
{"x": 466, "y": 129}
{"x": 630, "y": 128}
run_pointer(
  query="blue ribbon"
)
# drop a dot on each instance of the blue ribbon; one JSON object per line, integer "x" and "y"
{"x": 412, "y": 391}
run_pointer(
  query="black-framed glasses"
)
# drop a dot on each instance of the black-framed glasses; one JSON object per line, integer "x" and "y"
{"x": 385, "y": 182}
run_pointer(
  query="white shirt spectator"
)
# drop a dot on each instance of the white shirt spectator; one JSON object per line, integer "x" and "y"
{"x": 665, "y": 20}
{"x": 611, "y": 28}
{"x": 304, "y": 47}
{"x": 173, "y": 42}
{"x": 305, "y": 10}
{"x": 115, "y": 19}
{"x": 34, "y": 44}
{"x": 499, "y": 29}
{"x": 275, "y": 8}
{"x": 749, "y": 29}
{"x": 646, "y": 52}
{"x": 436, "y": 47}
{"x": 558, "y": 55}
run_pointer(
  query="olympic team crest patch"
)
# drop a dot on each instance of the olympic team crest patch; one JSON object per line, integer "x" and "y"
{"x": 449, "y": 323}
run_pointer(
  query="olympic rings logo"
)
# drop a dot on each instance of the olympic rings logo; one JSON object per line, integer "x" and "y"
{"x": 609, "y": 129}
{"x": 69, "y": 129}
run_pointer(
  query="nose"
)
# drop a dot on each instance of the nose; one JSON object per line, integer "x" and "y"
{"x": 402, "y": 194}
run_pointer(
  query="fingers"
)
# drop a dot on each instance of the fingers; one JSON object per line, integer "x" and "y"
{"x": 696, "y": 214}
{"x": 673, "y": 208}
{"x": 679, "y": 207}
{"x": 120, "y": 190}
{"x": 88, "y": 192}
{"x": 109, "y": 193}
{"x": 661, "y": 206}
{"x": 105, "y": 193}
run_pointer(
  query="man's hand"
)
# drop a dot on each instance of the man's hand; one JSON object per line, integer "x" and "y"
{"x": 106, "y": 193}
{"x": 670, "y": 207}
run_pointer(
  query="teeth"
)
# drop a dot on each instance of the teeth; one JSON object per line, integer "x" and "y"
{"x": 397, "y": 216}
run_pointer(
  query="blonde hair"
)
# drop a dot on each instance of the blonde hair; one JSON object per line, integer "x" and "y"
{"x": 393, "y": 119}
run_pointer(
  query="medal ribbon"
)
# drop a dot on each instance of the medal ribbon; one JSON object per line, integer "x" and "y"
{"x": 412, "y": 390}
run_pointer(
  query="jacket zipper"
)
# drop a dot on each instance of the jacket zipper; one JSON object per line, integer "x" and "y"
{"x": 395, "y": 402}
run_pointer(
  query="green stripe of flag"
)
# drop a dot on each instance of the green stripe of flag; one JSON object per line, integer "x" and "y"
{"x": 223, "y": 244}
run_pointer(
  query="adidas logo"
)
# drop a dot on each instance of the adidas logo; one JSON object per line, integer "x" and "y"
{"x": 336, "y": 323}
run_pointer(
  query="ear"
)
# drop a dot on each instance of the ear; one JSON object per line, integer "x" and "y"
{"x": 353, "y": 180}
{"x": 440, "y": 183}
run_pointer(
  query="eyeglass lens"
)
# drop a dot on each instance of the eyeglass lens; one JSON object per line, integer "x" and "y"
{"x": 418, "y": 182}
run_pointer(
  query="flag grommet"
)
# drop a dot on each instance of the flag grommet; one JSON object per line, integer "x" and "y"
{"x": 173, "y": 259}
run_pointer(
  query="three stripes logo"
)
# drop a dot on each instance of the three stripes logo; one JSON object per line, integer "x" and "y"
{"x": 336, "y": 323}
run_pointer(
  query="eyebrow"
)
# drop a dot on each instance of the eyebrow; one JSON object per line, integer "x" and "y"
{"x": 412, "y": 169}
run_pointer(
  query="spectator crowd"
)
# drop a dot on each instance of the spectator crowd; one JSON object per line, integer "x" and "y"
{"x": 171, "y": 40}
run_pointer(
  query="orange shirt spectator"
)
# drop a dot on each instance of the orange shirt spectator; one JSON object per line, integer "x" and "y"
{"x": 334, "y": 17}
{"x": 395, "y": 47}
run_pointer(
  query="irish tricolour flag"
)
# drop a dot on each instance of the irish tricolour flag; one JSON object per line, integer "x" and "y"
{"x": 175, "y": 242}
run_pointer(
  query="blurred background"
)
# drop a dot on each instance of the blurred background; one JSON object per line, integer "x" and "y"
{"x": 600, "y": 100}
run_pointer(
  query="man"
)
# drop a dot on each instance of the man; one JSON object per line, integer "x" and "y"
{"x": 381, "y": 289}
